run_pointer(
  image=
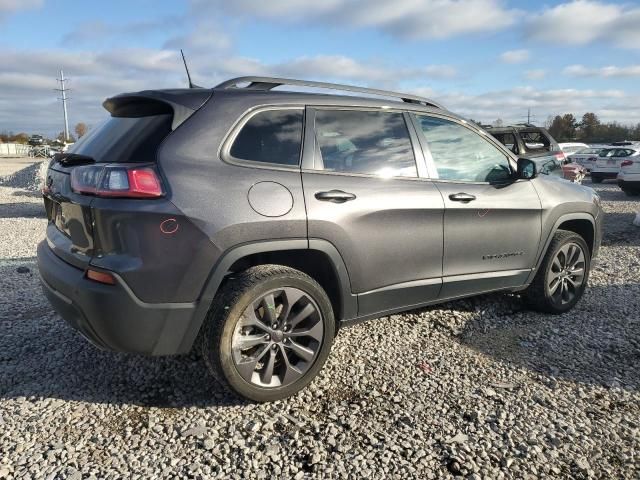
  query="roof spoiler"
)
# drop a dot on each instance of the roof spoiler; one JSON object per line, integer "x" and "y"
{"x": 157, "y": 102}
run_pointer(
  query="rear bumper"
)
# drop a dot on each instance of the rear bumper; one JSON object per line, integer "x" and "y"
{"x": 111, "y": 316}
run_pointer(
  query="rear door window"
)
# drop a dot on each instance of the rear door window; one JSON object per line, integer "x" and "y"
{"x": 270, "y": 137}
{"x": 361, "y": 141}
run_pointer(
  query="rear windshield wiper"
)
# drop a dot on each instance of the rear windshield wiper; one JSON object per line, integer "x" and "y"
{"x": 70, "y": 159}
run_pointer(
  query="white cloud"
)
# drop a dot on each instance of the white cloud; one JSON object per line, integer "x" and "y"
{"x": 7, "y": 7}
{"x": 605, "y": 72}
{"x": 515, "y": 56}
{"x": 584, "y": 21}
{"x": 511, "y": 104}
{"x": 401, "y": 18}
{"x": 28, "y": 102}
{"x": 535, "y": 74}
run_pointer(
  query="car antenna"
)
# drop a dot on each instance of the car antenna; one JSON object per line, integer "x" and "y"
{"x": 184, "y": 60}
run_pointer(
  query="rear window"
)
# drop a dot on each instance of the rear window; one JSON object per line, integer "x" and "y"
{"x": 124, "y": 139}
{"x": 271, "y": 136}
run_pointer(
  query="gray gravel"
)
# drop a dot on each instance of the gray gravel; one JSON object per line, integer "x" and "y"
{"x": 480, "y": 388}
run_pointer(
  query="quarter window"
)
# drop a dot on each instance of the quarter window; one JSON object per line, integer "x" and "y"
{"x": 461, "y": 154}
{"x": 271, "y": 136}
{"x": 354, "y": 141}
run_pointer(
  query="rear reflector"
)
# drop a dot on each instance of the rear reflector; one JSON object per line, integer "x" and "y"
{"x": 626, "y": 163}
{"x": 101, "y": 277}
{"x": 132, "y": 181}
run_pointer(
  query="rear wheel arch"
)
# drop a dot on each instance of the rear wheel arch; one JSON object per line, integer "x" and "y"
{"x": 317, "y": 258}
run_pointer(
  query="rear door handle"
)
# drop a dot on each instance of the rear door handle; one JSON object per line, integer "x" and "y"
{"x": 335, "y": 196}
{"x": 462, "y": 197}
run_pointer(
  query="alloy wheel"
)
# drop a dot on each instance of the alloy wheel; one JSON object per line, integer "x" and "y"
{"x": 567, "y": 273}
{"x": 277, "y": 338}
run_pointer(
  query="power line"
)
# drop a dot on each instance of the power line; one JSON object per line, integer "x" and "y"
{"x": 63, "y": 89}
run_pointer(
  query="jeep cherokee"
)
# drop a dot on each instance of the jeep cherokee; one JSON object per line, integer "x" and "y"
{"x": 250, "y": 223}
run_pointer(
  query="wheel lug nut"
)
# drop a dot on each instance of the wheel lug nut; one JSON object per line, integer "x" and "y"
{"x": 274, "y": 346}
{"x": 274, "y": 326}
{"x": 287, "y": 328}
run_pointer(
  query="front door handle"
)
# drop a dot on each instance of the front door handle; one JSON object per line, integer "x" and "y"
{"x": 462, "y": 197}
{"x": 335, "y": 196}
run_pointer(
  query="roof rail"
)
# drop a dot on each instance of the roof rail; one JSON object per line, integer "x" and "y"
{"x": 269, "y": 83}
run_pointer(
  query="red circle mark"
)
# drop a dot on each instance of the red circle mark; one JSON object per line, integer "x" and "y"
{"x": 169, "y": 226}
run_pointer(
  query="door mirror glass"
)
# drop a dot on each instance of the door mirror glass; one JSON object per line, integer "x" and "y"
{"x": 527, "y": 169}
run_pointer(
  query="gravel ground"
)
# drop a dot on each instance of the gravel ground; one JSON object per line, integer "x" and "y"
{"x": 478, "y": 389}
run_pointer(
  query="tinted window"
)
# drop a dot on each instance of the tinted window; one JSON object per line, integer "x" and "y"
{"x": 124, "y": 139}
{"x": 272, "y": 136}
{"x": 365, "y": 142}
{"x": 462, "y": 154}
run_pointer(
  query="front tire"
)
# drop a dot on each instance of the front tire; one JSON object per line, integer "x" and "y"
{"x": 562, "y": 276}
{"x": 268, "y": 332}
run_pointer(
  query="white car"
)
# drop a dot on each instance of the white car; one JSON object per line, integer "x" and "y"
{"x": 629, "y": 176}
{"x": 585, "y": 157}
{"x": 570, "y": 148}
{"x": 609, "y": 162}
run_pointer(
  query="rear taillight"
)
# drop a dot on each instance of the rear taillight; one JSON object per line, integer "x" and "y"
{"x": 626, "y": 163}
{"x": 561, "y": 156}
{"x": 134, "y": 181}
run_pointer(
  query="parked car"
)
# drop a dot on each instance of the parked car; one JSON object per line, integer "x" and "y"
{"x": 569, "y": 148}
{"x": 535, "y": 143}
{"x": 629, "y": 175}
{"x": 585, "y": 157}
{"x": 36, "y": 140}
{"x": 609, "y": 162}
{"x": 253, "y": 223}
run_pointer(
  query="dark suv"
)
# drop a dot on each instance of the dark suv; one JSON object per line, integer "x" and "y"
{"x": 251, "y": 223}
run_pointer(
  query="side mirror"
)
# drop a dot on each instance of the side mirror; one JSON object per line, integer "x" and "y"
{"x": 527, "y": 169}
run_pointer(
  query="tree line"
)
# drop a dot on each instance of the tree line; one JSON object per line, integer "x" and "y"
{"x": 566, "y": 128}
{"x": 23, "y": 137}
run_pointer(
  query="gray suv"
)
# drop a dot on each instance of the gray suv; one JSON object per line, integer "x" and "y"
{"x": 251, "y": 223}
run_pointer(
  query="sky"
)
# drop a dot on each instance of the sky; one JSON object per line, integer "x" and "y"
{"x": 483, "y": 59}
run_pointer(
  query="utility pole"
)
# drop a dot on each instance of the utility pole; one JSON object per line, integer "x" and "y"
{"x": 64, "y": 99}
{"x": 528, "y": 115}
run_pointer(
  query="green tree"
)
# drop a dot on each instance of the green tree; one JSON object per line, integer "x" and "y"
{"x": 589, "y": 127}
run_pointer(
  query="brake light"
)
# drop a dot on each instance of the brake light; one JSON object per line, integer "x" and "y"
{"x": 134, "y": 181}
{"x": 626, "y": 163}
{"x": 561, "y": 156}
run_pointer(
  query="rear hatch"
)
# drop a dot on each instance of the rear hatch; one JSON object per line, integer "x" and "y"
{"x": 138, "y": 125}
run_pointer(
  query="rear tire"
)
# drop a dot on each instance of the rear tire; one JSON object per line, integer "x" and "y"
{"x": 595, "y": 178}
{"x": 268, "y": 332}
{"x": 562, "y": 276}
